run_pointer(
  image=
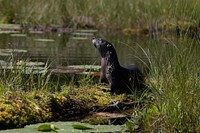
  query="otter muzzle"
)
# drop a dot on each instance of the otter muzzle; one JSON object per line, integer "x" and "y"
{"x": 95, "y": 42}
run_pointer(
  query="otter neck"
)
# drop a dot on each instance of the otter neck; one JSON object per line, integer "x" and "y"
{"x": 112, "y": 59}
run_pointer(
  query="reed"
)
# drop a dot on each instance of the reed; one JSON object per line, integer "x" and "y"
{"x": 174, "y": 80}
{"x": 104, "y": 13}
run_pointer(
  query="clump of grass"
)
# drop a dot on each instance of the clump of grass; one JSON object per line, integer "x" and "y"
{"x": 174, "y": 77}
{"x": 24, "y": 78}
{"x": 32, "y": 98}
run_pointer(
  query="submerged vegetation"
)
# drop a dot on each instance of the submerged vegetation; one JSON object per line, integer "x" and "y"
{"x": 173, "y": 105}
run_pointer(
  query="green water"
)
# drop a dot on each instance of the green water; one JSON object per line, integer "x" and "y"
{"x": 75, "y": 48}
{"x": 68, "y": 49}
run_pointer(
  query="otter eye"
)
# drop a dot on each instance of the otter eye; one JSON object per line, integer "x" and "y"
{"x": 100, "y": 40}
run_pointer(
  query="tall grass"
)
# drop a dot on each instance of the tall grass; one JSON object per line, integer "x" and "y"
{"x": 104, "y": 13}
{"x": 24, "y": 78}
{"x": 175, "y": 77}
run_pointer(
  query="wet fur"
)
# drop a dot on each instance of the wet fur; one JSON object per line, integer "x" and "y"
{"x": 121, "y": 80}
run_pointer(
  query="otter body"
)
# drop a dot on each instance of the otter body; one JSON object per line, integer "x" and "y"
{"x": 121, "y": 80}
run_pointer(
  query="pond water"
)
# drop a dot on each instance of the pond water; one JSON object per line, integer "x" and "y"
{"x": 67, "y": 49}
{"x": 74, "y": 48}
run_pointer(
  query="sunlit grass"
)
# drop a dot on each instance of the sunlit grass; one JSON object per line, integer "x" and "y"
{"x": 104, "y": 13}
{"x": 174, "y": 78}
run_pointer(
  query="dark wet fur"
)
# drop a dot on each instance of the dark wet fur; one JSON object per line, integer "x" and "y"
{"x": 121, "y": 80}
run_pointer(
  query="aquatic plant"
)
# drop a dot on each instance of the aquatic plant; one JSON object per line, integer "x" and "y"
{"x": 174, "y": 80}
{"x": 63, "y": 127}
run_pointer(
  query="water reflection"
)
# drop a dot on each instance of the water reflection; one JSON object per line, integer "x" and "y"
{"x": 68, "y": 49}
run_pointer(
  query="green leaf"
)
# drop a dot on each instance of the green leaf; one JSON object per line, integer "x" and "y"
{"x": 47, "y": 128}
{"x": 81, "y": 127}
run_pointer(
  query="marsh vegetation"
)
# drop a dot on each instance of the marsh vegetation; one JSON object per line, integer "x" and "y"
{"x": 113, "y": 14}
{"x": 161, "y": 36}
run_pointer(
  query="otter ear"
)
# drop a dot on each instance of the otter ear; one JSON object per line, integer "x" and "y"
{"x": 109, "y": 45}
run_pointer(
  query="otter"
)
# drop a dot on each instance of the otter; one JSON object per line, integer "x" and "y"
{"x": 120, "y": 79}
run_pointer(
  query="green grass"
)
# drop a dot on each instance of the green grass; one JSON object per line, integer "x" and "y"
{"x": 28, "y": 98}
{"x": 105, "y": 13}
{"x": 174, "y": 79}
{"x": 172, "y": 106}
{"x": 174, "y": 67}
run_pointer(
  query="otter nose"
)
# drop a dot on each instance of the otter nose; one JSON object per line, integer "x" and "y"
{"x": 94, "y": 40}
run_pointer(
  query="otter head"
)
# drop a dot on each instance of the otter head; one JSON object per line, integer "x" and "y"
{"x": 102, "y": 45}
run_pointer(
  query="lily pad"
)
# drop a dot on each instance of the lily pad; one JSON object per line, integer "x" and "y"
{"x": 80, "y": 38}
{"x": 86, "y": 67}
{"x": 8, "y": 52}
{"x": 10, "y": 26}
{"x": 87, "y": 31}
{"x": 44, "y": 40}
{"x": 26, "y": 69}
{"x": 18, "y": 35}
{"x": 12, "y": 50}
{"x": 67, "y": 127}
{"x": 82, "y": 34}
{"x": 8, "y": 31}
{"x": 36, "y": 32}
{"x": 30, "y": 63}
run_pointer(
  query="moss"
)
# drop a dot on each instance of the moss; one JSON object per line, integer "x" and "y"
{"x": 94, "y": 96}
{"x": 21, "y": 108}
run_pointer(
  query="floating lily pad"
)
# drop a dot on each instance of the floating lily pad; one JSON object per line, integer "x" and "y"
{"x": 82, "y": 34}
{"x": 12, "y": 50}
{"x": 8, "y": 31}
{"x": 18, "y": 35}
{"x": 87, "y": 31}
{"x": 44, "y": 40}
{"x": 4, "y": 54}
{"x": 38, "y": 70}
{"x": 26, "y": 69}
{"x": 10, "y": 26}
{"x": 88, "y": 73}
{"x": 67, "y": 127}
{"x": 30, "y": 63}
{"x": 8, "y": 52}
{"x": 80, "y": 38}
{"x": 36, "y": 32}
{"x": 86, "y": 67}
